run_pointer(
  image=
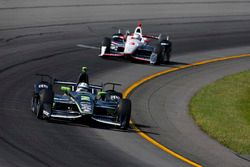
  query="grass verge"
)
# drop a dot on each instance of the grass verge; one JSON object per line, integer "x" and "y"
{"x": 222, "y": 110}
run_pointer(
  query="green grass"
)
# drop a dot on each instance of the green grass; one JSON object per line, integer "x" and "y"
{"x": 222, "y": 109}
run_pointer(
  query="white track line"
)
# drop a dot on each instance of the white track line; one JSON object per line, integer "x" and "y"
{"x": 88, "y": 47}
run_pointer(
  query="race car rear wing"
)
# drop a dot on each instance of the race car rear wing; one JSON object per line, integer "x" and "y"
{"x": 111, "y": 83}
{"x": 152, "y": 37}
{"x": 92, "y": 86}
{"x": 59, "y": 82}
{"x": 44, "y": 77}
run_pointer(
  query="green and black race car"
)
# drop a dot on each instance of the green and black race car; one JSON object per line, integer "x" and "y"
{"x": 78, "y": 100}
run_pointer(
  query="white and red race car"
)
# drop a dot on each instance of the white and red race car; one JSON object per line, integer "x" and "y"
{"x": 137, "y": 46}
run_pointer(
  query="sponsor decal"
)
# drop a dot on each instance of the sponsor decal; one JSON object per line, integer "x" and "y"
{"x": 41, "y": 86}
{"x": 85, "y": 98}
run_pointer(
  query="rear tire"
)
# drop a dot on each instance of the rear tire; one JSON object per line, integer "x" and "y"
{"x": 125, "y": 113}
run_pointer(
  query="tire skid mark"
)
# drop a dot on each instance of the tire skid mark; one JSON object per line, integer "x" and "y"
{"x": 31, "y": 35}
{"x": 121, "y": 21}
{"x": 38, "y": 59}
{"x": 208, "y": 22}
{"x": 215, "y": 35}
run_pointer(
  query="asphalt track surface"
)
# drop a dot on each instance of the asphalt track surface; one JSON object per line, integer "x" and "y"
{"x": 41, "y": 36}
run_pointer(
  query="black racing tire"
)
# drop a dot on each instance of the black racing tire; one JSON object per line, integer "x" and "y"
{"x": 160, "y": 55}
{"x": 39, "y": 110}
{"x": 33, "y": 103}
{"x": 106, "y": 42}
{"x": 45, "y": 98}
{"x": 163, "y": 50}
{"x": 125, "y": 113}
{"x": 167, "y": 49}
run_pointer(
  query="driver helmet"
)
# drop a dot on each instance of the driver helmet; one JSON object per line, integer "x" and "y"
{"x": 82, "y": 87}
{"x": 84, "y": 69}
{"x": 137, "y": 36}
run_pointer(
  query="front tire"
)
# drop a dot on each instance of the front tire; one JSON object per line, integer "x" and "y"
{"x": 45, "y": 99}
{"x": 167, "y": 48}
{"x": 163, "y": 50}
{"x": 159, "y": 52}
{"x": 125, "y": 113}
{"x": 39, "y": 110}
{"x": 33, "y": 103}
{"x": 106, "y": 43}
